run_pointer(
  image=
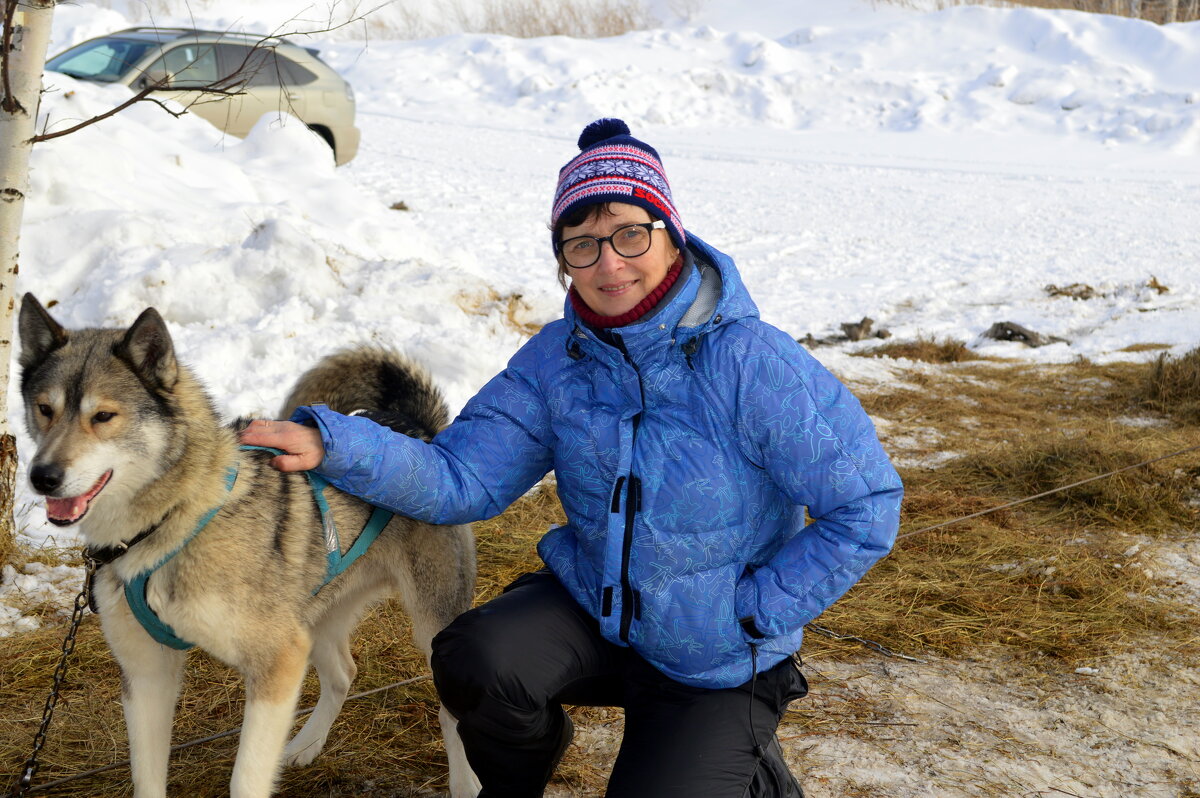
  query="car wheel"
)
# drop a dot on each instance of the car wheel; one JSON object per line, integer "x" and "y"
{"x": 324, "y": 133}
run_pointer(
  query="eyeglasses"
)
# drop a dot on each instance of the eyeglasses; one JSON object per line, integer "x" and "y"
{"x": 628, "y": 241}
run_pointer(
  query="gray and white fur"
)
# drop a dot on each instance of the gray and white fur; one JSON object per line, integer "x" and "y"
{"x": 129, "y": 442}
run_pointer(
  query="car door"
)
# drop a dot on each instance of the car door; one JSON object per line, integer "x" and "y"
{"x": 264, "y": 85}
{"x": 185, "y": 67}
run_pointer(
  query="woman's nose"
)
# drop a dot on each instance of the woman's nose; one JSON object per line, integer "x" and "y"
{"x": 609, "y": 259}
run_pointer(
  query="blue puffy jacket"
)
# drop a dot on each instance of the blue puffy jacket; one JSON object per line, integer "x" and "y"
{"x": 687, "y": 447}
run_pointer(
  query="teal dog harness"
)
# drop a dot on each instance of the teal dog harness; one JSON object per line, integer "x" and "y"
{"x": 135, "y": 589}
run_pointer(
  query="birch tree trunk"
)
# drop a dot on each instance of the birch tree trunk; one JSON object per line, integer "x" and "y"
{"x": 23, "y": 54}
{"x": 1171, "y": 12}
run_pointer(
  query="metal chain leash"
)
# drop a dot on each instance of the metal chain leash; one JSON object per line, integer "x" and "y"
{"x": 60, "y": 674}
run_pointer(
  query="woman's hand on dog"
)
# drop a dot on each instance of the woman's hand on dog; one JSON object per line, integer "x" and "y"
{"x": 301, "y": 445}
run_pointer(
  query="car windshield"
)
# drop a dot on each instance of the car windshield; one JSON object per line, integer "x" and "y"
{"x": 104, "y": 60}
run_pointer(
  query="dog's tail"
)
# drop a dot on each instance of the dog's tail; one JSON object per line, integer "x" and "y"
{"x": 391, "y": 388}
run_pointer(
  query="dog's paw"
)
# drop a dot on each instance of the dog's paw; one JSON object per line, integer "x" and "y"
{"x": 299, "y": 753}
{"x": 464, "y": 784}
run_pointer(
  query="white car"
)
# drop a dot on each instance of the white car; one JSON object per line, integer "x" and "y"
{"x": 268, "y": 75}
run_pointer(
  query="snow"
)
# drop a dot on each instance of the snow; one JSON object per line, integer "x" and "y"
{"x": 934, "y": 170}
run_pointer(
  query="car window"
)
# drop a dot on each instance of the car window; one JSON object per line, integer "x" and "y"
{"x": 257, "y": 64}
{"x": 295, "y": 74}
{"x": 189, "y": 65}
{"x": 263, "y": 66}
{"x": 103, "y": 60}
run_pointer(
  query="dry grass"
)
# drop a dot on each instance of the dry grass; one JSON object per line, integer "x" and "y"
{"x": 1046, "y": 577}
{"x": 513, "y": 310}
{"x": 1152, "y": 10}
{"x": 1053, "y": 579}
{"x": 10, "y": 553}
{"x": 527, "y": 19}
{"x": 925, "y": 350}
{"x": 581, "y": 19}
{"x": 1173, "y": 386}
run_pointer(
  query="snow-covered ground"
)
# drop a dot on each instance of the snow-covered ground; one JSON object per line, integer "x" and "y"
{"x": 934, "y": 170}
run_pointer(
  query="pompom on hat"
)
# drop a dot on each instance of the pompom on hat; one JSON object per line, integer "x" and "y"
{"x": 613, "y": 166}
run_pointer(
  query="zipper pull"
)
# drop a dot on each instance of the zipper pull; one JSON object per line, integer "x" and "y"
{"x": 689, "y": 349}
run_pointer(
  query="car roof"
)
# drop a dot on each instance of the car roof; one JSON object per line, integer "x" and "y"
{"x": 164, "y": 35}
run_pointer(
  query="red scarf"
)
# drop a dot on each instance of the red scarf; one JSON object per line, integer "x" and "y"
{"x": 640, "y": 309}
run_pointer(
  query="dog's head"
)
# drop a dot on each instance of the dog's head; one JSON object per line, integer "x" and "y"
{"x": 100, "y": 405}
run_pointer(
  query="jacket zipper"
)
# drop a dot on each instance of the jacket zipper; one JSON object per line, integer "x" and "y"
{"x": 633, "y": 504}
{"x": 629, "y": 596}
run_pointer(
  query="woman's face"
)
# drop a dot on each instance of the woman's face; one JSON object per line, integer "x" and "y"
{"x": 614, "y": 284}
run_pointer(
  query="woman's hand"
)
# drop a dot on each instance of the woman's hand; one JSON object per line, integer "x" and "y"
{"x": 302, "y": 445}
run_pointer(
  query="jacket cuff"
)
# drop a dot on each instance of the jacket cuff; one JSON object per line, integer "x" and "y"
{"x": 336, "y": 463}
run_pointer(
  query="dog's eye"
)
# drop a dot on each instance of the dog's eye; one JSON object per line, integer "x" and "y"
{"x": 46, "y": 410}
{"x": 102, "y": 417}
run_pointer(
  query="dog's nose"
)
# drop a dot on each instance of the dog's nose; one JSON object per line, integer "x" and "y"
{"x": 46, "y": 478}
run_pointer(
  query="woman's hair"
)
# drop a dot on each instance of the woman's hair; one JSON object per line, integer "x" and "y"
{"x": 574, "y": 218}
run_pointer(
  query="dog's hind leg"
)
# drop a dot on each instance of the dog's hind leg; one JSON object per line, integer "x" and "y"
{"x": 336, "y": 670}
{"x": 273, "y": 681}
{"x": 463, "y": 781}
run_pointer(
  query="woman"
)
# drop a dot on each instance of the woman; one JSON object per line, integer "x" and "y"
{"x": 688, "y": 439}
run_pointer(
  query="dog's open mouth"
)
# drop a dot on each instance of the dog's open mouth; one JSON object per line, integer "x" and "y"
{"x": 64, "y": 512}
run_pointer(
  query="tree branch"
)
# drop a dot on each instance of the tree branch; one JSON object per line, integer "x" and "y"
{"x": 139, "y": 97}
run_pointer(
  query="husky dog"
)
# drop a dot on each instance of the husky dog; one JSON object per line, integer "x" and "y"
{"x": 129, "y": 447}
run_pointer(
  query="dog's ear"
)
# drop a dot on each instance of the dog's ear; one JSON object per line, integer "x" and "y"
{"x": 40, "y": 334}
{"x": 148, "y": 350}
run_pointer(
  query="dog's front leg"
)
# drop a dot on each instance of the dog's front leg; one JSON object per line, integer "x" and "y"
{"x": 273, "y": 682}
{"x": 151, "y": 675}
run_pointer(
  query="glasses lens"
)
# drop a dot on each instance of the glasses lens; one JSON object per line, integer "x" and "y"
{"x": 581, "y": 251}
{"x": 631, "y": 241}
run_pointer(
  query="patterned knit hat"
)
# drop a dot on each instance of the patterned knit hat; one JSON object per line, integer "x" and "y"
{"x": 615, "y": 167}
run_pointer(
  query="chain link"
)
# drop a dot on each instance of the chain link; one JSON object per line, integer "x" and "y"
{"x": 60, "y": 675}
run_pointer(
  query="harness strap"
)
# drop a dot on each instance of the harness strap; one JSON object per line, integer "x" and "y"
{"x": 98, "y": 557}
{"x": 135, "y": 589}
{"x": 340, "y": 562}
{"x": 336, "y": 562}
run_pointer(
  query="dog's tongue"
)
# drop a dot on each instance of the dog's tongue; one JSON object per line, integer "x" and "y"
{"x": 71, "y": 509}
{"x": 66, "y": 509}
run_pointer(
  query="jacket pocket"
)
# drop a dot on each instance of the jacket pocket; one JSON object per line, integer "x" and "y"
{"x": 746, "y": 607}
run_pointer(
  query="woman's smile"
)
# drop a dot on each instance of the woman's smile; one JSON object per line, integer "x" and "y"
{"x": 614, "y": 284}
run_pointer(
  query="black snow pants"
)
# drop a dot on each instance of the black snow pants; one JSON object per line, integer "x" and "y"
{"x": 506, "y": 668}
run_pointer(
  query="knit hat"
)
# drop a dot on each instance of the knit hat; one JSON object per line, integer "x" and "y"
{"x": 613, "y": 166}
